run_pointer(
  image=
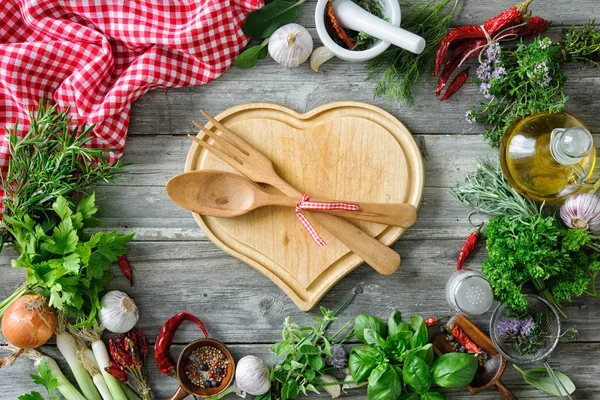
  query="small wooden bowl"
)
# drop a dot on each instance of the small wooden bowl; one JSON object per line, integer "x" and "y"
{"x": 186, "y": 387}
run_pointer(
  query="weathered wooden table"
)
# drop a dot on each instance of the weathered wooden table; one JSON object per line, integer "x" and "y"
{"x": 176, "y": 268}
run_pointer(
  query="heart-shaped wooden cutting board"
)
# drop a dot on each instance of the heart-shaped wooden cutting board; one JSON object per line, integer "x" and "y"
{"x": 343, "y": 151}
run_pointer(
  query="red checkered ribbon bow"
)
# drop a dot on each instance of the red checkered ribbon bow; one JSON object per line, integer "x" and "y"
{"x": 304, "y": 204}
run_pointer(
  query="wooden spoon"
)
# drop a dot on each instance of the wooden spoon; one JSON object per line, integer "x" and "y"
{"x": 223, "y": 194}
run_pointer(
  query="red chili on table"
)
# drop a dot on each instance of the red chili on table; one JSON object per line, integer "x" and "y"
{"x": 431, "y": 321}
{"x": 456, "y": 84}
{"x": 125, "y": 268}
{"x": 466, "y": 342}
{"x": 505, "y": 19}
{"x": 165, "y": 339}
{"x": 468, "y": 247}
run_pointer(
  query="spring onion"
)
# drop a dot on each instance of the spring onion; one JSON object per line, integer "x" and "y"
{"x": 67, "y": 345}
{"x": 92, "y": 336}
{"x": 87, "y": 359}
{"x": 65, "y": 387}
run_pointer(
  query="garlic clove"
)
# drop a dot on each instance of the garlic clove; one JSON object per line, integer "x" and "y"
{"x": 347, "y": 386}
{"x": 333, "y": 390}
{"x": 319, "y": 56}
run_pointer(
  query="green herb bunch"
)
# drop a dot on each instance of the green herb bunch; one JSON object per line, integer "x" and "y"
{"x": 62, "y": 262}
{"x": 529, "y": 78}
{"x": 397, "y": 361}
{"x": 304, "y": 349}
{"x": 525, "y": 80}
{"x": 52, "y": 159}
{"x": 399, "y": 71}
{"x": 541, "y": 251}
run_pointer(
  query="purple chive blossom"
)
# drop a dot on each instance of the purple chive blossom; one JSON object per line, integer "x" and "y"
{"x": 470, "y": 117}
{"x": 509, "y": 327}
{"x": 338, "y": 358}
{"x": 527, "y": 324}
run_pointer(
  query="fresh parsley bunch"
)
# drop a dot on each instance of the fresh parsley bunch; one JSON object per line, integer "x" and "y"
{"x": 69, "y": 267}
{"x": 540, "y": 250}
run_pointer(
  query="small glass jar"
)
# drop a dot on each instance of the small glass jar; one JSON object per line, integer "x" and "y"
{"x": 468, "y": 292}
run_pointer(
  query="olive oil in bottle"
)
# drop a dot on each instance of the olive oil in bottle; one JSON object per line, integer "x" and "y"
{"x": 547, "y": 156}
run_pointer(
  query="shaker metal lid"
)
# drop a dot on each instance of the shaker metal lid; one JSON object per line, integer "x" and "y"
{"x": 474, "y": 295}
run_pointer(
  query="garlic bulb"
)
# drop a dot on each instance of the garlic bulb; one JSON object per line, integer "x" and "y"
{"x": 582, "y": 211}
{"x": 252, "y": 376}
{"x": 319, "y": 56}
{"x": 118, "y": 312}
{"x": 290, "y": 45}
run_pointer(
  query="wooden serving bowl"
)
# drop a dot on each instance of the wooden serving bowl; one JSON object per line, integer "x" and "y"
{"x": 186, "y": 387}
{"x": 487, "y": 375}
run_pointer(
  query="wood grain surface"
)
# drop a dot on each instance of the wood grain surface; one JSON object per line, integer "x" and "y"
{"x": 178, "y": 269}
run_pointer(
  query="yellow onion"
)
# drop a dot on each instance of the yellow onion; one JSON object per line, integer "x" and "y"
{"x": 28, "y": 322}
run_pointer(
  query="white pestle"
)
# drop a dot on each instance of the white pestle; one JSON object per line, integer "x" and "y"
{"x": 350, "y": 15}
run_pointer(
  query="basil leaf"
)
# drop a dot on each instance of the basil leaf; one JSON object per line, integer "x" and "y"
{"x": 362, "y": 361}
{"x": 433, "y": 396}
{"x": 454, "y": 370}
{"x": 363, "y": 322}
{"x": 372, "y": 338}
{"x": 419, "y": 328}
{"x": 416, "y": 374}
{"x": 384, "y": 383}
{"x": 425, "y": 353}
{"x": 396, "y": 325}
{"x": 541, "y": 380}
{"x": 248, "y": 58}
{"x": 409, "y": 396}
{"x": 263, "y": 22}
{"x": 395, "y": 346}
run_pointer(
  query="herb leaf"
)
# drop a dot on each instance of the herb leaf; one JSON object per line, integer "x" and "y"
{"x": 416, "y": 374}
{"x": 263, "y": 22}
{"x": 384, "y": 383}
{"x": 44, "y": 379}
{"x": 541, "y": 380}
{"x": 249, "y": 57}
{"x": 454, "y": 370}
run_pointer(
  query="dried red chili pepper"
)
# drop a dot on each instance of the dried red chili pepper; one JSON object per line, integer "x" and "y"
{"x": 125, "y": 268}
{"x": 165, "y": 339}
{"x": 464, "y": 340}
{"x": 469, "y": 246}
{"x": 431, "y": 321}
{"x": 507, "y": 18}
{"x": 339, "y": 31}
{"x": 462, "y": 53}
{"x": 456, "y": 84}
{"x": 143, "y": 341}
{"x": 117, "y": 373}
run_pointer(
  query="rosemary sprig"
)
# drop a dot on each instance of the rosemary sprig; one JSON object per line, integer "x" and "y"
{"x": 52, "y": 159}
{"x": 403, "y": 70}
{"x": 488, "y": 192}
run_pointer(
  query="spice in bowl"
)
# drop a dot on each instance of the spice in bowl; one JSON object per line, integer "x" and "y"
{"x": 207, "y": 367}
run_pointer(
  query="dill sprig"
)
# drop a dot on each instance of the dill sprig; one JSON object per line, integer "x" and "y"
{"x": 403, "y": 70}
{"x": 52, "y": 159}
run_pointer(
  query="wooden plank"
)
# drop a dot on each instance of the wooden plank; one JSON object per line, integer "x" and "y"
{"x": 171, "y": 111}
{"x": 476, "y": 12}
{"x": 15, "y": 380}
{"x": 239, "y": 305}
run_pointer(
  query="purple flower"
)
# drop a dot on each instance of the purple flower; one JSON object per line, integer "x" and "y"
{"x": 470, "y": 117}
{"x": 499, "y": 72}
{"x": 509, "y": 327}
{"x": 493, "y": 52}
{"x": 338, "y": 358}
{"x": 541, "y": 74}
{"x": 527, "y": 324}
{"x": 483, "y": 72}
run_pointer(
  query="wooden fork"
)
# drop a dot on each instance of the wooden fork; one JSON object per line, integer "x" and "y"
{"x": 259, "y": 168}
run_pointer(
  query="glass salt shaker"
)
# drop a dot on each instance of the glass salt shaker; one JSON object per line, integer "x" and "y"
{"x": 468, "y": 292}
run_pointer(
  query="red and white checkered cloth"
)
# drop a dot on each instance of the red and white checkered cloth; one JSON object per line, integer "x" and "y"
{"x": 305, "y": 204}
{"x": 98, "y": 56}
